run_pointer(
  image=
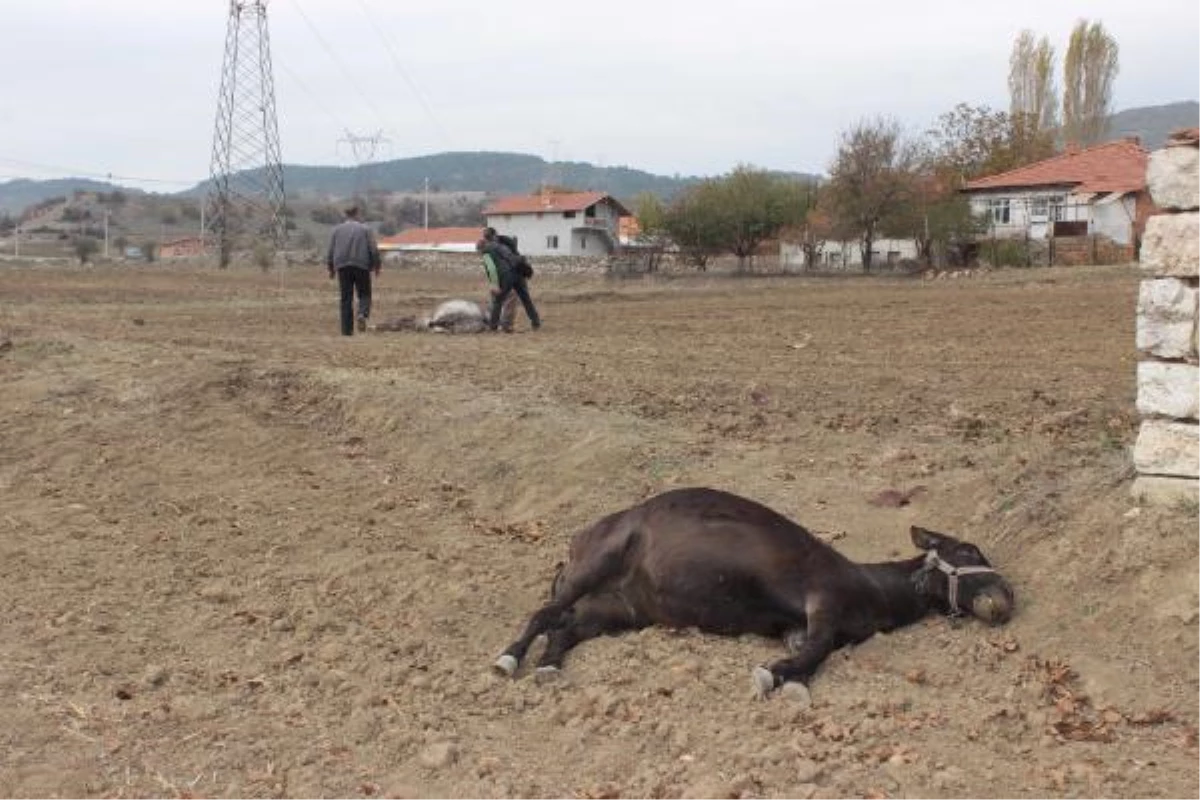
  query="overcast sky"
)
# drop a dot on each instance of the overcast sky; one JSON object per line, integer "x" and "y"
{"x": 129, "y": 87}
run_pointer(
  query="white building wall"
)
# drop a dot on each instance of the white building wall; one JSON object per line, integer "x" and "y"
{"x": 836, "y": 255}
{"x": 1115, "y": 219}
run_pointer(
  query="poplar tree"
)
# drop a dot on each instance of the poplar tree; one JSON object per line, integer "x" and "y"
{"x": 1089, "y": 70}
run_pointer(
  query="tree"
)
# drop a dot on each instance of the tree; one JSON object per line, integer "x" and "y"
{"x": 263, "y": 254}
{"x": 970, "y": 141}
{"x": 85, "y": 247}
{"x": 811, "y": 235}
{"x": 652, "y": 235}
{"x": 870, "y": 181}
{"x": 757, "y": 205}
{"x": 938, "y": 218}
{"x": 1033, "y": 98}
{"x": 1088, "y": 73}
{"x": 326, "y": 216}
{"x": 735, "y": 213}
{"x": 695, "y": 222}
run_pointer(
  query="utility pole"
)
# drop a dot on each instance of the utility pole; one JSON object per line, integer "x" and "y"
{"x": 245, "y": 193}
{"x": 427, "y": 204}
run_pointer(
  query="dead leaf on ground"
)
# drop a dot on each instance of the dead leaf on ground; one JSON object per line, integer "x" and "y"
{"x": 896, "y": 498}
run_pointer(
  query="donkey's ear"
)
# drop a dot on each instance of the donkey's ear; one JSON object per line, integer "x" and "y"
{"x": 926, "y": 539}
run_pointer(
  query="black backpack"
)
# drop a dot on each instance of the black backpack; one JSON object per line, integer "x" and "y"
{"x": 521, "y": 264}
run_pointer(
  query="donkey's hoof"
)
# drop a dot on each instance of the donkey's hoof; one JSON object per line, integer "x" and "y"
{"x": 546, "y": 674}
{"x": 797, "y": 693}
{"x": 505, "y": 665}
{"x": 763, "y": 682}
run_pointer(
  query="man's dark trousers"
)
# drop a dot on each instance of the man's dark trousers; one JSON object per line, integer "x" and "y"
{"x": 351, "y": 281}
{"x": 510, "y": 282}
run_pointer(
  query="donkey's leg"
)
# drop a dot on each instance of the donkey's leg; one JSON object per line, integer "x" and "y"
{"x": 579, "y": 578}
{"x": 793, "y": 639}
{"x": 810, "y": 642}
{"x": 593, "y": 616}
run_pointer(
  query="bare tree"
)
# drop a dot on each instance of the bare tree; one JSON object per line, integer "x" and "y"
{"x": 1089, "y": 70}
{"x": 1033, "y": 97}
{"x": 870, "y": 181}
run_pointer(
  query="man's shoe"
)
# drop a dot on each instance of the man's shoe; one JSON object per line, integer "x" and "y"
{"x": 362, "y": 324}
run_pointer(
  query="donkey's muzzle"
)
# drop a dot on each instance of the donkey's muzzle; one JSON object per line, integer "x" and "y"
{"x": 993, "y": 604}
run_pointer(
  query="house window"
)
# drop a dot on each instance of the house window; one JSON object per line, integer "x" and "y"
{"x": 590, "y": 212}
{"x": 1058, "y": 208}
{"x": 999, "y": 210}
{"x": 551, "y": 242}
{"x": 1039, "y": 210}
{"x": 568, "y": 215}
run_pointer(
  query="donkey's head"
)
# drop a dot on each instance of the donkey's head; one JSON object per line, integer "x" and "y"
{"x": 958, "y": 579}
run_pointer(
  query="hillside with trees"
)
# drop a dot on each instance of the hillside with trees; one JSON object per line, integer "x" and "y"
{"x": 487, "y": 172}
{"x": 1152, "y": 124}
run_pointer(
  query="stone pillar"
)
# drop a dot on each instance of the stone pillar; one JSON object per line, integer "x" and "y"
{"x": 1167, "y": 452}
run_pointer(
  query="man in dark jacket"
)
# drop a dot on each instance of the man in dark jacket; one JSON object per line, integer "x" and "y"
{"x": 353, "y": 256}
{"x": 500, "y": 267}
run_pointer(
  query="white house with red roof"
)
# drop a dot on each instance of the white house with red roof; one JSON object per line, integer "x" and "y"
{"x": 560, "y": 223}
{"x": 432, "y": 240}
{"x": 1098, "y": 190}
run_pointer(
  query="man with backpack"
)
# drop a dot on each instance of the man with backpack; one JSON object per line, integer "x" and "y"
{"x": 507, "y": 272}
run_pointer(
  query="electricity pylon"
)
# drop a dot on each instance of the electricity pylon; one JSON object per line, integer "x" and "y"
{"x": 245, "y": 201}
{"x": 365, "y": 148}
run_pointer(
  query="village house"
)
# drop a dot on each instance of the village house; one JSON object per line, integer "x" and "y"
{"x": 185, "y": 247}
{"x": 431, "y": 240}
{"x": 559, "y": 223}
{"x": 1099, "y": 191}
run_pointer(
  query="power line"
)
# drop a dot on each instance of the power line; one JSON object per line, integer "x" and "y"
{"x": 416, "y": 90}
{"x": 353, "y": 81}
{"x": 85, "y": 173}
{"x": 316, "y": 99}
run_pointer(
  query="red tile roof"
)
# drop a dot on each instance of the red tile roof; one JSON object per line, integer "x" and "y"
{"x": 1118, "y": 166}
{"x": 549, "y": 202}
{"x": 433, "y": 236}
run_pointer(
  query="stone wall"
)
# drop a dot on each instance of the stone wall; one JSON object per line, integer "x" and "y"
{"x": 470, "y": 263}
{"x": 1167, "y": 452}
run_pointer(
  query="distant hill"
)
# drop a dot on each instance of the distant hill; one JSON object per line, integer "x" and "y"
{"x": 1152, "y": 124}
{"x": 516, "y": 173}
{"x": 21, "y": 193}
{"x": 491, "y": 173}
{"x": 475, "y": 172}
